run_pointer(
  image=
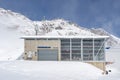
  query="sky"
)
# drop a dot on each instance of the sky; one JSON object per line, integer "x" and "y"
{"x": 86, "y": 13}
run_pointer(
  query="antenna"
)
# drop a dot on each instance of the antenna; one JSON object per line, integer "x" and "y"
{"x": 36, "y": 29}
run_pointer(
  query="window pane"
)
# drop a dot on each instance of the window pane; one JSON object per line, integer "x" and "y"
{"x": 87, "y": 49}
{"x": 65, "y": 49}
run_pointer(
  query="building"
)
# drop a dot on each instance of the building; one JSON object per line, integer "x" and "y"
{"x": 90, "y": 49}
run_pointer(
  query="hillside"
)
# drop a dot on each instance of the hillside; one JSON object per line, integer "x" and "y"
{"x": 12, "y": 26}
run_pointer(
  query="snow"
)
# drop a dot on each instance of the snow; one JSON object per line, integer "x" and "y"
{"x": 26, "y": 37}
{"x": 10, "y": 54}
{"x": 10, "y": 45}
{"x": 48, "y": 70}
{"x": 53, "y": 70}
{"x": 12, "y": 26}
{"x": 113, "y": 55}
{"x": 116, "y": 38}
{"x": 112, "y": 41}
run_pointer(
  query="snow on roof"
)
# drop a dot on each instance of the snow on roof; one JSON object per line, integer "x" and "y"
{"x": 38, "y": 37}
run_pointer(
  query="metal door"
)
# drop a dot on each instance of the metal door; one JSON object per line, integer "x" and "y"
{"x": 48, "y": 55}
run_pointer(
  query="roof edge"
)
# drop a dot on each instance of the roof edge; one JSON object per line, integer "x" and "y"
{"x": 38, "y": 37}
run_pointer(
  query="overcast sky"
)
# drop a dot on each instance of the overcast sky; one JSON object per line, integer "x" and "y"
{"x": 86, "y": 13}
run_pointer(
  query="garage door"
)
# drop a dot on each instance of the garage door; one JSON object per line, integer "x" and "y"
{"x": 48, "y": 55}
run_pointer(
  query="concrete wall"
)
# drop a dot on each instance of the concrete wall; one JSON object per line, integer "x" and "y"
{"x": 100, "y": 65}
{"x": 31, "y": 47}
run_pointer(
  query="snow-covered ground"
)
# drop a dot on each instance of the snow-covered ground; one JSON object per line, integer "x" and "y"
{"x": 48, "y": 70}
{"x": 113, "y": 55}
{"x": 52, "y": 70}
{"x": 11, "y": 46}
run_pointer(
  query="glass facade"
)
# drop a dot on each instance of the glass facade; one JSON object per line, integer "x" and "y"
{"x": 82, "y": 49}
{"x": 76, "y": 49}
{"x": 65, "y": 49}
{"x": 87, "y": 49}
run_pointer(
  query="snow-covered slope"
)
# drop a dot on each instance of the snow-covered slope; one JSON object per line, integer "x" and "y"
{"x": 48, "y": 70}
{"x": 52, "y": 70}
{"x": 14, "y": 25}
{"x": 14, "y": 21}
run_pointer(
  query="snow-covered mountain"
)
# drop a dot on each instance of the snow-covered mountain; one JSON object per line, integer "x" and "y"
{"x": 14, "y": 25}
{"x": 15, "y": 21}
{"x": 113, "y": 40}
{"x": 60, "y": 27}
